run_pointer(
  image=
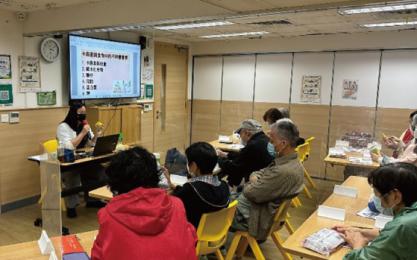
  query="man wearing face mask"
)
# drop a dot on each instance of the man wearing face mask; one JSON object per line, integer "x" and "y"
{"x": 254, "y": 156}
{"x": 394, "y": 185}
{"x": 266, "y": 188}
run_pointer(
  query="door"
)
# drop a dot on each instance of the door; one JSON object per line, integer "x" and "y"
{"x": 170, "y": 112}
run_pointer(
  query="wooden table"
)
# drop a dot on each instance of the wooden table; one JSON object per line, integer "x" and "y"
{"x": 346, "y": 162}
{"x": 30, "y": 250}
{"x": 225, "y": 147}
{"x": 102, "y": 193}
{"x": 314, "y": 223}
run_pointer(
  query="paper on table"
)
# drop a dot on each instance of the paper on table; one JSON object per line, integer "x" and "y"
{"x": 345, "y": 191}
{"x": 367, "y": 213}
{"x": 178, "y": 179}
{"x": 225, "y": 139}
{"x": 382, "y": 220}
{"x": 45, "y": 244}
{"x": 331, "y": 212}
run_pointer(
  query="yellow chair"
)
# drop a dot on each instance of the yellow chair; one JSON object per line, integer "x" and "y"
{"x": 212, "y": 230}
{"x": 303, "y": 151}
{"x": 243, "y": 239}
{"x": 50, "y": 146}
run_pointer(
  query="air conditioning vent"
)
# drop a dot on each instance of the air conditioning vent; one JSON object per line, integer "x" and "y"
{"x": 273, "y": 22}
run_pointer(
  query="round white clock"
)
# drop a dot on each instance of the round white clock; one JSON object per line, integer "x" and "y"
{"x": 50, "y": 49}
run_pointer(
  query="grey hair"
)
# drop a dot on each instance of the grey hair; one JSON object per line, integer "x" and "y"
{"x": 253, "y": 131}
{"x": 285, "y": 112}
{"x": 287, "y": 130}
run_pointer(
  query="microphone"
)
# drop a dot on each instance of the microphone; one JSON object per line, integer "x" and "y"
{"x": 89, "y": 133}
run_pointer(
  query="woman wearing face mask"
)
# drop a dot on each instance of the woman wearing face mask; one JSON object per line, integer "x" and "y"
{"x": 76, "y": 132}
{"x": 394, "y": 185}
{"x": 409, "y": 155}
{"x": 204, "y": 192}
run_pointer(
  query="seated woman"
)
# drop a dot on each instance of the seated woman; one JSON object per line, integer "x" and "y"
{"x": 394, "y": 185}
{"x": 204, "y": 192}
{"x": 398, "y": 144}
{"x": 409, "y": 155}
{"x": 142, "y": 221}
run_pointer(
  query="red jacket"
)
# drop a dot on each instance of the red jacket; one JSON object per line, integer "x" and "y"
{"x": 144, "y": 224}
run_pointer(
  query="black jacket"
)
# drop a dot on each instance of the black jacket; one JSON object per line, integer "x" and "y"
{"x": 253, "y": 157}
{"x": 200, "y": 197}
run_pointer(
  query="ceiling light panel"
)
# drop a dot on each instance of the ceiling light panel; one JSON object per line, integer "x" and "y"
{"x": 379, "y": 9}
{"x": 227, "y": 35}
{"x": 389, "y": 24}
{"x": 193, "y": 25}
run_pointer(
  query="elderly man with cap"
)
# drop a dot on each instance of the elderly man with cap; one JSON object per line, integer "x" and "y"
{"x": 268, "y": 187}
{"x": 254, "y": 156}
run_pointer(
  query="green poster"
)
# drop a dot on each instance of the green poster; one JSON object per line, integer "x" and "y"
{"x": 6, "y": 94}
{"x": 149, "y": 91}
{"x": 46, "y": 98}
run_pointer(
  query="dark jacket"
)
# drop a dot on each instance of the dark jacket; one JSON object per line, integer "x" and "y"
{"x": 253, "y": 157}
{"x": 200, "y": 197}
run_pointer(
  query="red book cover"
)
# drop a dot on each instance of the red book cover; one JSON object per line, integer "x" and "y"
{"x": 70, "y": 244}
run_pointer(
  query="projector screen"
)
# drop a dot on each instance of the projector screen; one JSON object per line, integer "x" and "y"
{"x": 103, "y": 69}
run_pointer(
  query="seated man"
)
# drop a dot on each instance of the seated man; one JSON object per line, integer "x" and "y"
{"x": 266, "y": 188}
{"x": 142, "y": 221}
{"x": 254, "y": 156}
{"x": 203, "y": 193}
{"x": 395, "y": 186}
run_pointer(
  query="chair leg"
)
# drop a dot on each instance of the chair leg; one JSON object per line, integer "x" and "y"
{"x": 289, "y": 227}
{"x": 256, "y": 249}
{"x": 278, "y": 242}
{"x": 307, "y": 192}
{"x": 233, "y": 246}
{"x": 307, "y": 175}
{"x": 219, "y": 254}
{"x": 242, "y": 247}
{"x": 298, "y": 201}
{"x": 294, "y": 203}
{"x": 288, "y": 215}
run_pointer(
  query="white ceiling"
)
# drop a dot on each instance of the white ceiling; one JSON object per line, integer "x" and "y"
{"x": 305, "y": 17}
{"x": 34, "y": 5}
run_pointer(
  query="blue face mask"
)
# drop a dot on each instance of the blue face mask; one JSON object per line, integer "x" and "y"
{"x": 375, "y": 205}
{"x": 271, "y": 149}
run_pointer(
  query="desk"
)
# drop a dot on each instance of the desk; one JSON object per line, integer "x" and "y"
{"x": 30, "y": 250}
{"x": 102, "y": 193}
{"x": 345, "y": 162}
{"x": 226, "y": 147}
{"x": 315, "y": 223}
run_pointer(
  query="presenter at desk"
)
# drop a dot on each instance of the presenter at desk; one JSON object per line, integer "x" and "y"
{"x": 75, "y": 131}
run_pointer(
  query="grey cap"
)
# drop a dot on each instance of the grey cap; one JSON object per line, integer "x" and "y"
{"x": 251, "y": 125}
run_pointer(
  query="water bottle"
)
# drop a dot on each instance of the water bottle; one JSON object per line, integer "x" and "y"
{"x": 61, "y": 151}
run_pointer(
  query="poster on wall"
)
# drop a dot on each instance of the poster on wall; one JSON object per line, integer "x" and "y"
{"x": 350, "y": 89}
{"x": 5, "y": 67}
{"x": 6, "y": 94}
{"x": 311, "y": 89}
{"x": 30, "y": 76}
{"x": 46, "y": 98}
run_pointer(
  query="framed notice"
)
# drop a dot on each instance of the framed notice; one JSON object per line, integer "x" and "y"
{"x": 311, "y": 89}
{"x": 350, "y": 89}
{"x": 5, "y": 67}
{"x": 47, "y": 98}
{"x": 6, "y": 94}
{"x": 29, "y": 74}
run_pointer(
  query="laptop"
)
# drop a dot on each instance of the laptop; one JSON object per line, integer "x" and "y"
{"x": 105, "y": 144}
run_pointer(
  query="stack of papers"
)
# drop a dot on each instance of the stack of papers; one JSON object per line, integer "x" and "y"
{"x": 324, "y": 241}
{"x": 337, "y": 152}
{"x": 225, "y": 139}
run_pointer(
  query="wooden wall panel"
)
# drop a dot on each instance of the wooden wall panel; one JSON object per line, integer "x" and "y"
{"x": 131, "y": 124}
{"x": 147, "y": 129}
{"x": 205, "y": 120}
{"x": 19, "y": 178}
{"x": 313, "y": 120}
{"x": 391, "y": 121}
{"x": 232, "y": 114}
{"x": 345, "y": 119}
{"x": 259, "y": 109}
